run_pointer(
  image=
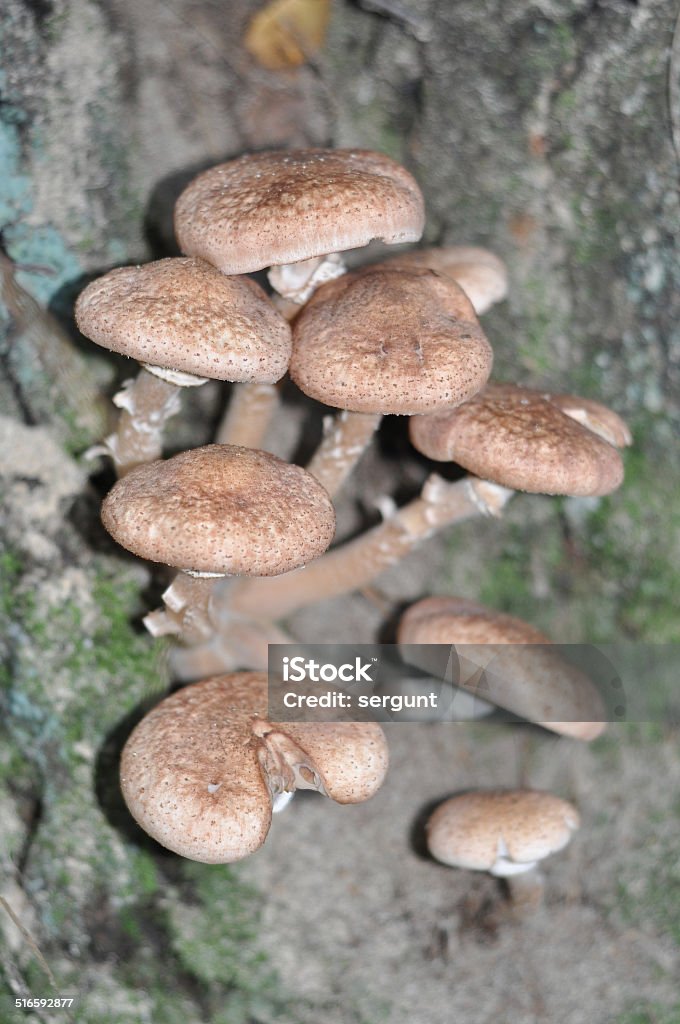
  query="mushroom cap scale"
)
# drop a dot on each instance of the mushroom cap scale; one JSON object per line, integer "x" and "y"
{"x": 200, "y": 771}
{"x": 527, "y": 440}
{"x": 522, "y": 674}
{"x": 279, "y": 207}
{"x": 384, "y": 340}
{"x": 221, "y": 509}
{"x": 183, "y": 314}
{"x": 481, "y": 830}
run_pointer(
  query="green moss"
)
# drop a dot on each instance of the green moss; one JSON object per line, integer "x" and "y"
{"x": 145, "y": 873}
{"x": 596, "y": 234}
{"x": 215, "y": 939}
{"x": 648, "y": 887}
{"x": 543, "y": 322}
{"x": 565, "y": 103}
{"x": 544, "y": 52}
{"x": 92, "y": 647}
{"x": 204, "y": 946}
{"x": 11, "y": 568}
{"x": 506, "y": 583}
{"x": 633, "y": 538}
{"x": 651, "y": 1013}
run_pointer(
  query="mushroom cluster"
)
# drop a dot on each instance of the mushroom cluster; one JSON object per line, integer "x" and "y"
{"x": 402, "y": 337}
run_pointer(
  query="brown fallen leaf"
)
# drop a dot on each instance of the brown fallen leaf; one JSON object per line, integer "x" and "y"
{"x": 285, "y": 33}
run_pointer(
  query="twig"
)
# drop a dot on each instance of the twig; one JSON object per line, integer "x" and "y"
{"x": 35, "y": 949}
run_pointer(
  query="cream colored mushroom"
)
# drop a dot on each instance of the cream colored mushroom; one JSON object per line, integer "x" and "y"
{"x": 504, "y": 832}
{"x": 201, "y": 771}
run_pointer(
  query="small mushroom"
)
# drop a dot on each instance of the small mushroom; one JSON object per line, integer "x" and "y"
{"x": 529, "y": 440}
{"x": 218, "y": 510}
{"x": 291, "y": 209}
{"x": 186, "y": 323}
{"x": 520, "y": 671}
{"x": 504, "y": 832}
{"x": 201, "y": 771}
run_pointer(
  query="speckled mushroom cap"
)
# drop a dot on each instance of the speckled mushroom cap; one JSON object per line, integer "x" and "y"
{"x": 482, "y": 275}
{"x": 190, "y": 774}
{"x": 522, "y": 674}
{"x": 596, "y": 417}
{"x": 265, "y": 209}
{"x": 528, "y": 440}
{"x": 385, "y": 340}
{"x": 351, "y": 757}
{"x": 221, "y": 509}
{"x": 201, "y": 769}
{"x": 183, "y": 314}
{"x": 496, "y": 830}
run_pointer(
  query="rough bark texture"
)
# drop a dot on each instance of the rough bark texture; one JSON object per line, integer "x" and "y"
{"x": 541, "y": 128}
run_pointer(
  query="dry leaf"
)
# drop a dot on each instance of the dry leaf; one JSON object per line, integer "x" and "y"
{"x": 287, "y": 32}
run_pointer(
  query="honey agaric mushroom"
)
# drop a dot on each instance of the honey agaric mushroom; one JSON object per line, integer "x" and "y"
{"x": 202, "y": 769}
{"x": 529, "y": 440}
{"x": 481, "y": 274}
{"x": 186, "y": 323}
{"x": 521, "y": 672}
{"x": 213, "y": 511}
{"x": 504, "y": 832}
{"x": 291, "y": 209}
{"x": 382, "y": 341}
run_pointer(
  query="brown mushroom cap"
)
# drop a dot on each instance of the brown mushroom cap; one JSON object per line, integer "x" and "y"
{"x": 221, "y": 509}
{"x": 491, "y": 830}
{"x": 200, "y": 770}
{"x": 482, "y": 275}
{"x": 522, "y": 674}
{"x": 389, "y": 341}
{"x": 183, "y": 314}
{"x": 527, "y": 440}
{"x": 279, "y": 207}
{"x": 191, "y": 777}
{"x": 351, "y": 757}
{"x": 596, "y": 417}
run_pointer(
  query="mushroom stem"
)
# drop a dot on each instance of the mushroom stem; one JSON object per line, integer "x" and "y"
{"x": 346, "y": 437}
{"x": 249, "y": 413}
{"x": 299, "y": 281}
{"x": 526, "y": 890}
{"x": 236, "y": 643}
{"x": 146, "y": 403}
{"x": 355, "y": 564}
{"x": 187, "y": 608}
